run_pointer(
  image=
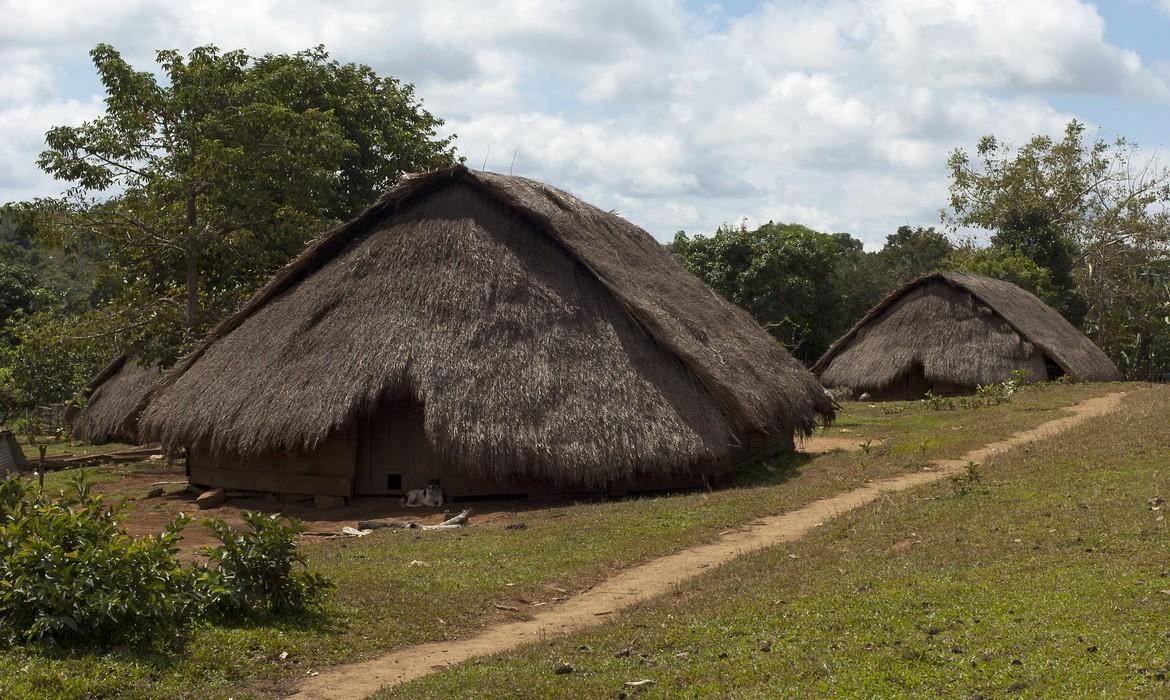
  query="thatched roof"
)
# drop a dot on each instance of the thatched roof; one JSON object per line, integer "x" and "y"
{"x": 963, "y": 329}
{"x": 544, "y": 337}
{"x": 12, "y": 459}
{"x": 112, "y": 398}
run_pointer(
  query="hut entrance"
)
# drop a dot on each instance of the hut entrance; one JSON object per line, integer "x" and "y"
{"x": 1051, "y": 370}
{"x": 909, "y": 385}
{"x": 394, "y": 455}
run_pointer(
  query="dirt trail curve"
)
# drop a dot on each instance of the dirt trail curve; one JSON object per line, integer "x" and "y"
{"x": 656, "y": 577}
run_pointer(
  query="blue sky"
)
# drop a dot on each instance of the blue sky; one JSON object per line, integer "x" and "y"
{"x": 1142, "y": 27}
{"x": 680, "y": 115}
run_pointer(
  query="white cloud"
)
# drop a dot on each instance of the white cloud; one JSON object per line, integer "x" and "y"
{"x": 835, "y": 113}
{"x": 22, "y": 131}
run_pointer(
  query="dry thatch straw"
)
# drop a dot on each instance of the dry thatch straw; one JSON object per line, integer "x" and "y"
{"x": 110, "y": 413}
{"x": 544, "y": 338}
{"x": 959, "y": 331}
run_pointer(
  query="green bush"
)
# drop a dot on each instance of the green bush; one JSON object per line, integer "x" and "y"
{"x": 965, "y": 483}
{"x": 937, "y": 403}
{"x": 253, "y": 571}
{"x": 70, "y": 574}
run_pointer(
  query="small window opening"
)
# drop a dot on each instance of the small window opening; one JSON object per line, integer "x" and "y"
{"x": 393, "y": 482}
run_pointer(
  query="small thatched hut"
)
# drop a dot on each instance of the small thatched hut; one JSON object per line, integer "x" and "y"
{"x": 109, "y": 405}
{"x": 12, "y": 459}
{"x": 948, "y": 333}
{"x": 493, "y": 333}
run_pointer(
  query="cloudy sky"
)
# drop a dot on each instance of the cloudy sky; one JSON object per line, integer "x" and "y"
{"x": 680, "y": 115}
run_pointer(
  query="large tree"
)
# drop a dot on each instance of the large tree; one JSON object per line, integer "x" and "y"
{"x": 43, "y": 357}
{"x": 786, "y": 275}
{"x": 1003, "y": 263}
{"x": 1094, "y": 215}
{"x": 198, "y": 182}
{"x": 910, "y": 253}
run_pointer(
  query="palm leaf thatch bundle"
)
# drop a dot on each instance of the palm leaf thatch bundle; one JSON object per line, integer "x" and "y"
{"x": 111, "y": 402}
{"x": 958, "y": 331}
{"x": 544, "y": 339}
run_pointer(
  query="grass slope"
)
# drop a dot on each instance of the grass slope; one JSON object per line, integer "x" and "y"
{"x": 383, "y": 602}
{"x": 1047, "y": 578}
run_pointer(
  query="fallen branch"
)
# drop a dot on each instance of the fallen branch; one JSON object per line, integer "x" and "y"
{"x": 448, "y": 524}
{"x": 456, "y": 521}
{"x": 380, "y": 524}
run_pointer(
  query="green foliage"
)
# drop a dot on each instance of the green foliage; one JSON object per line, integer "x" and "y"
{"x": 1032, "y": 199}
{"x": 992, "y": 394}
{"x": 937, "y": 403}
{"x": 254, "y": 572}
{"x": 1002, "y": 392}
{"x": 909, "y": 253}
{"x": 963, "y": 484}
{"x": 18, "y": 280}
{"x": 46, "y": 349}
{"x": 221, "y": 171}
{"x": 1096, "y": 216}
{"x": 48, "y": 356}
{"x": 783, "y": 274}
{"x": 1001, "y": 262}
{"x": 70, "y": 574}
{"x": 806, "y": 287}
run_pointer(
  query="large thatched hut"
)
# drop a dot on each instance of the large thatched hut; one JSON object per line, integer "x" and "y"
{"x": 948, "y": 333}
{"x": 108, "y": 407}
{"x": 493, "y": 333}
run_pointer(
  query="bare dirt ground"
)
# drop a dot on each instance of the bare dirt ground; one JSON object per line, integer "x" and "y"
{"x": 150, "y": 515}
{"x": 657, "y": 577}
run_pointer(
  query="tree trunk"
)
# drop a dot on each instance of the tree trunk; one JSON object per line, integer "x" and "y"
{"x": 192, "y": 286}
{"x": 192, "y": 268}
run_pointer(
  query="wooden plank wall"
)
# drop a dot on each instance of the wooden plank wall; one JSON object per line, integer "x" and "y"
{"x": 328, "y": 471}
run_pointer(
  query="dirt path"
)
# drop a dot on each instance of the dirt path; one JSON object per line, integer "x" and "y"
{"x": 654, "y": 578}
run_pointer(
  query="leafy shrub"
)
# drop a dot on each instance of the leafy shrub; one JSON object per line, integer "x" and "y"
{"x": 964, "y": 483}
{"x": 253, "y": 571}
{"x": 69, "y": 573}
{"x": 937, "y": 403}
{"x": 992, "y": 395}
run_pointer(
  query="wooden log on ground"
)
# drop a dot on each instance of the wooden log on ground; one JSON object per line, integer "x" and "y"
{"x": 449, "y": 524}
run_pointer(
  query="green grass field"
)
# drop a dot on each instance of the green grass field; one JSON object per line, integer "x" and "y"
{"x": 383, "y": 602}
{"x": 1048, "y": 577}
